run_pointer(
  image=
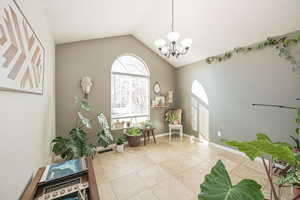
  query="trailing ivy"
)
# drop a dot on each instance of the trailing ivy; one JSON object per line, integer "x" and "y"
{"x": 281, "y": 44}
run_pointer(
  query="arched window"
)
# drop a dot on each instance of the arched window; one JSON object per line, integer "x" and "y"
{"x": 200, "y": 110}
{"x": 129, "y": 91}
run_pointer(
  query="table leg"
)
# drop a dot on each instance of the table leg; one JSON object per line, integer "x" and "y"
{"x": 152, "y": 131}
{"x": 145, "y": 137}
{"x": 181, "y": 133}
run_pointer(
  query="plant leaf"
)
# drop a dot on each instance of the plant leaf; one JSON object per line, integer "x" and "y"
{"x": 217, "y": 186}
{"x": 105, "y": 136}
{"x": 85, "y": 121}
{"x": 262, "y": 136}
{"x": 298, "y": 113}
{"x": 298, "y": 131}
{"x": 258, "y": 148}
{"x": 83, "y": 104}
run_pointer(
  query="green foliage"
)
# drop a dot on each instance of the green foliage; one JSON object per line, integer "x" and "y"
{"x": 297, "y": 142}
{"x": 134, "y": 132}
{"x": 282, "y": 44}
{"x": 264, "y": 146}
{"x": 76, "y": 144}
{"x": 120, "y": 140}
{"x": 83, "y": 104}
{"x": 104, "y": 135}
{"x": 218, "y": 186}
{"x": 171, "y": 117}
{"x": 290, "y": 179}
{"x": 73, "y": 147}
{"x": 297, "y": 131}
{"x": 85, "y": 121}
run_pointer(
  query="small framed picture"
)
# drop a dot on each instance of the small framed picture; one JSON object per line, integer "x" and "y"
{"x": 160, "y": 100}
{"x": 170, "y": 96}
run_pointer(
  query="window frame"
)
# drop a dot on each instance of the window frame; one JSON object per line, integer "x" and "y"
{"x": 147, "y": 77}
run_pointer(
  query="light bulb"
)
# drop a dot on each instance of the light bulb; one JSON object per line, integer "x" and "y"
{"x": 180, "y": 49}
{"x": 160, "y": 43}
{"x": 173, "y": 36}
{"x": 186, "y": 42}
{"x": 164, "y": 50}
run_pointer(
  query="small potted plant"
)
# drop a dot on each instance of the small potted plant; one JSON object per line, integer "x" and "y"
{"x": 292, "y": 178}
{"x": 134, "y": 137}
{"x": 120, "y": 144}
{"x": 171, "y": 118}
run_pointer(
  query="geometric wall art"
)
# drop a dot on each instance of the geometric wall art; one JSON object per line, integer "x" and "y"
{"x": 22, "y": 55}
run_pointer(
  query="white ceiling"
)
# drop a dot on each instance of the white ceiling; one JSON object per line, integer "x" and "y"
{"x": 214, "y": 25}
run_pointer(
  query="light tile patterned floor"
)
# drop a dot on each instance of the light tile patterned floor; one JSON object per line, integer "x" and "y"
{"x": 167, "y": 170}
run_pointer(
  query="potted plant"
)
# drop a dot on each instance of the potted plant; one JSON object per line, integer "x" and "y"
{"x": 76, "y": 145}
{"x": 120, "y": 144}
{"x": 171, "y": 118}
{"x": 291, "y": 179}
{"x": 134, "y": 137}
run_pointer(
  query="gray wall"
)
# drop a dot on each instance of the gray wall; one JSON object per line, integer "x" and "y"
{"x": 27, "y": 120}
{"x": 94, "y": 58}
{"x": 232, "y": 86}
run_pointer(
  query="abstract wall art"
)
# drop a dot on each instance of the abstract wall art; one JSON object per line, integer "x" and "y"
{"x": 22, "y": 54}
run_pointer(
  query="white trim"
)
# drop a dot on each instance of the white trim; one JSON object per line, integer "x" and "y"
{"x": 227, "y": 149}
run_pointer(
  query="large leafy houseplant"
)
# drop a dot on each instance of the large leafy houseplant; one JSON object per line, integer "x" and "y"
{"x": 76, "y": 145}
{"x": 218, "y": 186}
{"x": 263, "y": 147}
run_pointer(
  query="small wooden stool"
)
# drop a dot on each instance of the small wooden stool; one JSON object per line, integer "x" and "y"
{"x": 147, "y": 132}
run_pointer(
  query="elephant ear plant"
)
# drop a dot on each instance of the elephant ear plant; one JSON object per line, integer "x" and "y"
{"x": 76, "y": 144}
{"x": 262, "y": 147}
{"x": 218, "y": 186}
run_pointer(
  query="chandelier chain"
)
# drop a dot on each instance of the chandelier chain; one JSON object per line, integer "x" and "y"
{"x": 172, "y": 16}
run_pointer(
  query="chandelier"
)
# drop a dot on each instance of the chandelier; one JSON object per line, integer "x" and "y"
{"x": 173, "y": 47}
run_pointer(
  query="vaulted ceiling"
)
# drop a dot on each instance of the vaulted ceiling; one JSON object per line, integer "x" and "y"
{"x": 214, "y": 25}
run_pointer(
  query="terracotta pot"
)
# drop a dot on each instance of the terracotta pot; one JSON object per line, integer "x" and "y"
{"x": 296, "y": 191}
{"x": 134, "y": 141}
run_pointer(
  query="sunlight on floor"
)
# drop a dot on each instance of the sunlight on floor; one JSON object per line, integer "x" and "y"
{"x": 168, "y": 170}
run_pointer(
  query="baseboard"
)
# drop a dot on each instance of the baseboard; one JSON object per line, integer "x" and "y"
{"x": 227, "y": 149}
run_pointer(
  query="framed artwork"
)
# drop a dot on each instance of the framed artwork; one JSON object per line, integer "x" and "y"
{"x": 170, "y": 96}
{"x": 22, "y": 55}
{"x": 160, "y": 100}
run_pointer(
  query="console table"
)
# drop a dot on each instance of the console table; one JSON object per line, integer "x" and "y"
{"x": 34, "y": 189}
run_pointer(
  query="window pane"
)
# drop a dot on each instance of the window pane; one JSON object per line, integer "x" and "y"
{"x": 130, "y": 65}
{"x": 120, "y": 95}
{"x": 139, "y": 96}
{"x": 129, "y": 93}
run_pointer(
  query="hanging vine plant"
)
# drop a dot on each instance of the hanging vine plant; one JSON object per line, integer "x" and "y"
{"x": 281, "y": 43}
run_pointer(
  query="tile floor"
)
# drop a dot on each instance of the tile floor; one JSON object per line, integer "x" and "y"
{"x": 168, "y": 170}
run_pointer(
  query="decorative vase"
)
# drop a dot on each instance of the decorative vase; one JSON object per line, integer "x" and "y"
{"x": 133, "y": 141}
{"x": 120, "y": 148}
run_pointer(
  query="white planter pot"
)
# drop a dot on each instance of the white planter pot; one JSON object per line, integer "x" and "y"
{"x": 120, "y": 148}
